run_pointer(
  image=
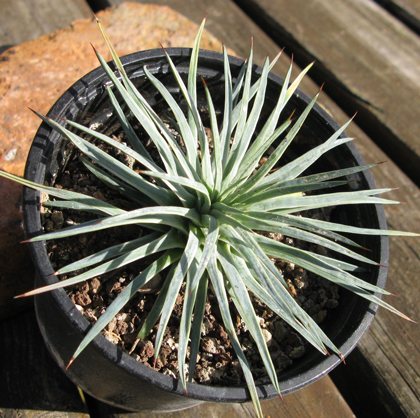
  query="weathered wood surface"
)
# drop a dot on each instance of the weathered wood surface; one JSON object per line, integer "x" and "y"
{"x": 386, "y": 365}
{"x": 408, "y": 11}
{"x": 225, "y": 20}
{"x": 369, "y": 60}
{"x": 24, "y": 20}
{"x": 390, "y": 348}
{"x": 51, "y": 394}
{"x": 383, "y": 379}
{"x": 321, "y": 400}
{"x": 31, "y": 384}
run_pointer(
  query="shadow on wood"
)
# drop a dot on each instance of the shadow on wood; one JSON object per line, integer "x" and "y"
{"x": 30, "y": 379}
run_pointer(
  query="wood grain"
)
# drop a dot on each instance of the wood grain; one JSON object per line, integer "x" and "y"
{"x": 225, "y": 21}
{"x": 386, "y": 364}
{"x": 24, "y": 20}
{"x": 408, "y": 11}
{"x": 28, "y": 413}
{"x": 369, "y": 60}
{"x": 321, "y": 400}
{"x": 31, "y": 384}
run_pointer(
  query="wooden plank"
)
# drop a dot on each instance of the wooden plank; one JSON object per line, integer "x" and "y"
{"x": 24, "y": 20}
{"x": 390, "y": 348}
{"x": 28, "y": 413}
{"x": 225, "y": 20}
{"x": 369, "y": 60}
{"x": 321, "y": 397}
{"x": 31, "y": 383}
{"x": 408, "y": 11}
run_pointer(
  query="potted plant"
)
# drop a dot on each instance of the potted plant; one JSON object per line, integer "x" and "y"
{"x": 217, "y": 173}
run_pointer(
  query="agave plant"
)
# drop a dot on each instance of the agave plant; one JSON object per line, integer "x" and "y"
{"x": 209, "y": 208}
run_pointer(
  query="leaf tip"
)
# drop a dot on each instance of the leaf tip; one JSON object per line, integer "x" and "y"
{"x": 94, "y": 49}
{"x": 277, "y": 57}
{"x": 70, "y": 363}
{"x": 163, "y": 48}
{"x": 204, "y": 82}
{"x": 281, "y": 398}
{"x": 320, "y": 89}
{"x": 38, "y": 114}
{"x": 96, "y": 18}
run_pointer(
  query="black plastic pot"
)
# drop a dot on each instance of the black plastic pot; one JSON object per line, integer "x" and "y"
{"x": 106, "y": 372}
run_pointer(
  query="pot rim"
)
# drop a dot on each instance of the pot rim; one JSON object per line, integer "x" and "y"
{"x": 195, "y": 391}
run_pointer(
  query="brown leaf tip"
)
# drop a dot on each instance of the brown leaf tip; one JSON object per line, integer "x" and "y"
{"x": 204, "y": 82}
{"x": 320, "y": 89}
{"x": 94, "y": 49}
{"x": 281, "y": 398}
{"x": 164, "y": 50}
{"x": 70, "y": 363}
